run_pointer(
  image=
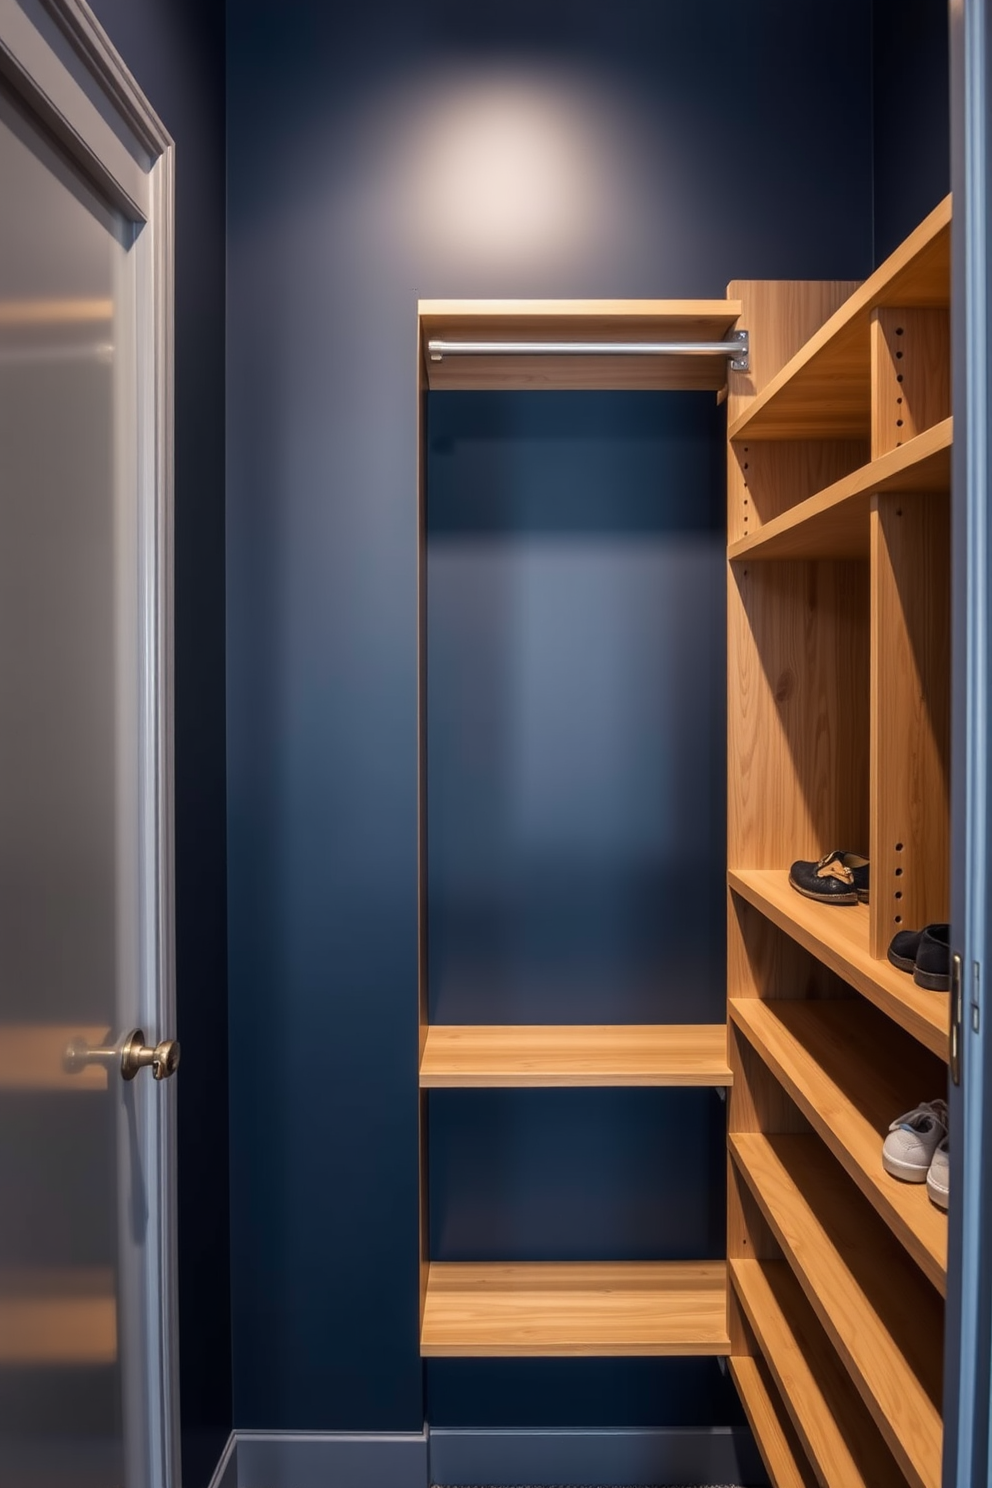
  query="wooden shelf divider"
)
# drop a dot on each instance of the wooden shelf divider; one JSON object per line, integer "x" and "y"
{"x": 824, "y": 391}
{"x": 780, "y": 1447}
{"x": 885, "y": 1320}
{"x": 839, "y": 937}
{"x": 825, "y": 1056}
{"x": 601, "y": 1309}
{"x": 833, "y": 1424}
{"x": 594, "y": 1055}
{"x": 834, "y": 523}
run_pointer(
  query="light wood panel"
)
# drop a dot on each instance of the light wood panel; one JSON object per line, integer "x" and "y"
{"x": 910, "y": 715}
{"x": 835, "y": 522}
{"x": 851, "y": 1080}
{"x": 885, "y": 1320}
{"x": 833, "y": 1424}
{"x": 767, "y": 479}
{"x": 58, "y": 1317}
{"x": 576, "y": 320}
{"x": 31, "y": 1057}
{"x": 780, "y": 315}
{"x": 633, "y": 1054}
{"x": 588, "y": 1309}
{"x": 798, "y": 711}
{"x": 910, "y": 374}
{"x": 838, "y": 936}
{"x": 824, "y": 391}
{"x": 781, "y": 1450}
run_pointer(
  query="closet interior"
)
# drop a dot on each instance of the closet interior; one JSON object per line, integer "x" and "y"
{"x": 830, "y": 1301}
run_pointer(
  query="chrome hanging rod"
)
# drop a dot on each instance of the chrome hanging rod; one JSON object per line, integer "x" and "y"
{"x": 736, "y": 348}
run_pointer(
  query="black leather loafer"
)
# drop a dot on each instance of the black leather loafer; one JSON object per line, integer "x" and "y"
{"x": 838, "y": 878}
{"x": 933, "y": 959}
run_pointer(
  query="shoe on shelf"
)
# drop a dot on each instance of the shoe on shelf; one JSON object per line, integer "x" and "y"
{"x": 912, "y": 1141}
{"x": 938, "y": 1176}
{"x": 926, "y": 953}
{"x": 838, "y": 878}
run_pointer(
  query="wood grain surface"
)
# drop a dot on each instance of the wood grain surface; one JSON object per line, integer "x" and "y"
{"x": 598, "y": 1055}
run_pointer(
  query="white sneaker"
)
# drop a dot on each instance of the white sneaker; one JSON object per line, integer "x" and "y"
{"x": 912, "y": 1141}
{"x": 938, "y": 1178}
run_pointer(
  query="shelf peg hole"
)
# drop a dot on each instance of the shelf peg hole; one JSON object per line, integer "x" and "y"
{"x": 898, "y": 330}
{"x": 898, "y": 423}
{"x": 898, "y": 893}
{"x": 898, "y": 919}
{"x": 899, "y": 377}
{"x": 898, "y": 847}
{"x": 898, "y": 873}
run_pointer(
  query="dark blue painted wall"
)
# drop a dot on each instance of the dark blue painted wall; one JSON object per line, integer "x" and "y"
{"x": 443, "y": 149}
{"x": 175, "y": 48}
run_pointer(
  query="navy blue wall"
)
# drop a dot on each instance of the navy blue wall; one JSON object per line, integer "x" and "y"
{"x": 175, "y": 48}
{"x": 391, "y": 152}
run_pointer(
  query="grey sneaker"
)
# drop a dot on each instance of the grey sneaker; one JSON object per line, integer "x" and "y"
{"x": 912, "y": 1141}
{"x": 938, "y": 1178}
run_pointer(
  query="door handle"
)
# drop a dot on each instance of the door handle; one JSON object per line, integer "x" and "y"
{"x": 132, "y": 1055}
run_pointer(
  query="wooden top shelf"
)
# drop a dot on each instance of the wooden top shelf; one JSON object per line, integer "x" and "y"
{"x": 834, "y": 522}
{"x": 834, "y": 1426}
{"x": 631, "y": 1054}
{"x": 838, "y": 936}
{"x": 576, "y": 320}
{"x": 884, "y": 1319}
{"x": 824, "y": 391}
{"x": 826, "y": 1055}
{"x": 576, "y": 1308}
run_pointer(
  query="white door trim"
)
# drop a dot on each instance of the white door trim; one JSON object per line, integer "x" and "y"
{"x": 59, "y": 62}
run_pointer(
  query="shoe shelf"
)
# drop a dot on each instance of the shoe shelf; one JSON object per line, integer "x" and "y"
{"x": 601, "y": 1309}
{"x": 635, "y": 1054}
{"x": 839, "y": 937}
{"x": 835, "y": 522}
{"x": 57, "y": 1317}
{"x": 824, "y": 390}
{"x": 31, "y": 1057}
{"x": 834, "y": 1426}
{"x": 780, "y": 1447}
{"x": 825, "y": 1054}
{"x": 882, "y": 1316}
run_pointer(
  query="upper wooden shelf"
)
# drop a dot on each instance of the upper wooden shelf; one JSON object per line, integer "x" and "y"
{"x": 593, "y": 1309}
{"x": 825, "y": 390}
{"x": 836, "y": 1431}
{"x": 576, "y": 320}
{"x": 838, "y": 936}
{"x": 884, "y": 1319}
{"x": 825, "y": 1054}
{"x": 835, "y": 522}
{"x": 616, "y": 1054}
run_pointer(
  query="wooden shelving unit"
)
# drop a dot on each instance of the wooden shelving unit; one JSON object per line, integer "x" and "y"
{"x": 576, "y": 1308}
{"x": 632, "y": 1054}
{"x": 595, "y": 1308}
{"x": 838, "y": 738}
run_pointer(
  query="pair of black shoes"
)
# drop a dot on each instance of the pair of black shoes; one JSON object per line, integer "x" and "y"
{"x": 927, "y": 954}
{"x": 838, "y": 878}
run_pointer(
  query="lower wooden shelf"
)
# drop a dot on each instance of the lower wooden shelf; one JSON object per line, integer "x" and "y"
{"x": 592, "y": 1309}
{"x": 825, "y": 1055}
{"x": 838, "y": 936}
{"x": 884, "y": 1319}
{"x": 780, "y": 1447}
{"x": 836, "y": 1431}
{"x": 572, "y": 1055}
{"x": 58, "y": 1317}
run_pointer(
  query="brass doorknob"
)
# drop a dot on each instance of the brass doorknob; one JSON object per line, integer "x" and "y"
{"x": 132, "y": 1056}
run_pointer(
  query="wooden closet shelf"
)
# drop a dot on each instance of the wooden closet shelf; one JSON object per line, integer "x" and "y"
{"x": 826, "y": 1055}
{"x": 780, "y": 1448}
{"x": 57, "y": 1317}
{"x": 882, "y": 1316}
{"x": 825, "y": 390}
{"x": 632, "y": 1054}
{"x": 575, "y": 1308}
{"x": 833, "y": 1424}
{"x": 838, "y": 936}
{"x": 576, "y": 320}
{"x": 834, "y": 522}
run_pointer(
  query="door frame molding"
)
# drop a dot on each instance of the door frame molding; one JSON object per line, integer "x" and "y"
{"x": 60, "y": 64}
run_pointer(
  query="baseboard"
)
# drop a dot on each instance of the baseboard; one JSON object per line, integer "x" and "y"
{"x": 614, "y": 1459}
{"x": 226, "y": 1471}
{"x": 276, "y": 1459}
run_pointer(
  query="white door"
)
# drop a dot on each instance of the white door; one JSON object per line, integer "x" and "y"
{"x": 87, "y": 1305}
